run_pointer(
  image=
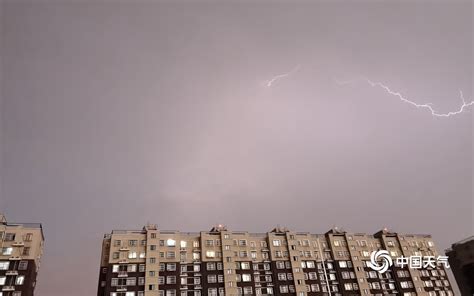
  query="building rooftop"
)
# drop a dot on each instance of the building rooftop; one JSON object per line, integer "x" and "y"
{"x": 3, "y": 221}
{"x": 276, "y": 230}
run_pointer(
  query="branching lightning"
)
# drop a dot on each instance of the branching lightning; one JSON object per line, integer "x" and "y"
{"x": 426, "y": 106}
{"x": 269, "y": 83}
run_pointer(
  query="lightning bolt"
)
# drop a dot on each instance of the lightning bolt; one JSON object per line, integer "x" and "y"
{"x": 270, "y": 82}
{"x": 426, "y": 106}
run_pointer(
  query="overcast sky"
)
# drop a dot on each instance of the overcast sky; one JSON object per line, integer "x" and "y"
{"x": 118, "y": 114}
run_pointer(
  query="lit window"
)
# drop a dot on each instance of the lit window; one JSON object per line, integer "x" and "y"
{"x": 246, "y": 278}
{"x": 132, "y": 255}
{"x": 7, "y": 251}
{"x": 20, "y": 280}
{"x": 171, "y": 242}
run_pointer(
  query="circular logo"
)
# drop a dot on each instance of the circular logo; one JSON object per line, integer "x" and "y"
{"x": 384, "y": 258}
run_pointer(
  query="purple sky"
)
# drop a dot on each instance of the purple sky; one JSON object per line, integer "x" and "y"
{"x": 116, "y": 114}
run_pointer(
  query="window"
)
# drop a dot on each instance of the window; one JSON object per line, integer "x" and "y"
{"x": 20, "y": 280}
{"x": 210, "y": 254}
{"x": 312, "y": 276}
{"x": 248, "y": 290}
{"x": 212, "y": 278}
{"x": 282, "y": 276}
{"x": 245, "y": 265}
{"x": 242, "y": 242}
{"x": 170, "y": 242}
{"x": 209, "y": 243}
{"x": 277, "y": 243}
{"x": 212, "y": 291}
{"x": 10, "y": 237}
{"x": 132, "y": 255}
{"x": 211, "y": 266}
{"x": 131, "y": 281}
{"x": 7, "y": 251}
{"x": 26, "y": 251}
{"x": 171, "y": 280}
{"x": 28, "y": 237}
{"x": 246, "y": 277}
{"x": 132, "y": 268}
{"x": 171, "y": 266}
{"x": 23, "y": 265}
{"x": 4, "y": 265}
{"x": 2, "y": 280}
{"x": 376, "y": 286}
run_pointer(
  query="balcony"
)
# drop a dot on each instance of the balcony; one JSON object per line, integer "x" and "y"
{"x": 8, "y": 288}
{"x": 15, "y": 258}
{"x": 122, "y": 274}
{"x": 12, "y": 272}
{"x": 18, "y": 244}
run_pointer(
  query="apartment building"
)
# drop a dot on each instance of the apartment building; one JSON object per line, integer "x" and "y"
{"x": 21, "y": 250}
{"x": 461, "y": 257}
{"x": 152, "y": 262}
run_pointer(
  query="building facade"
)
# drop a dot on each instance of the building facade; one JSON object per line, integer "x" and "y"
{"x": 21, "y": 250}
{"x": 152, "y": 262}
{"x": 461, "y": 258}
